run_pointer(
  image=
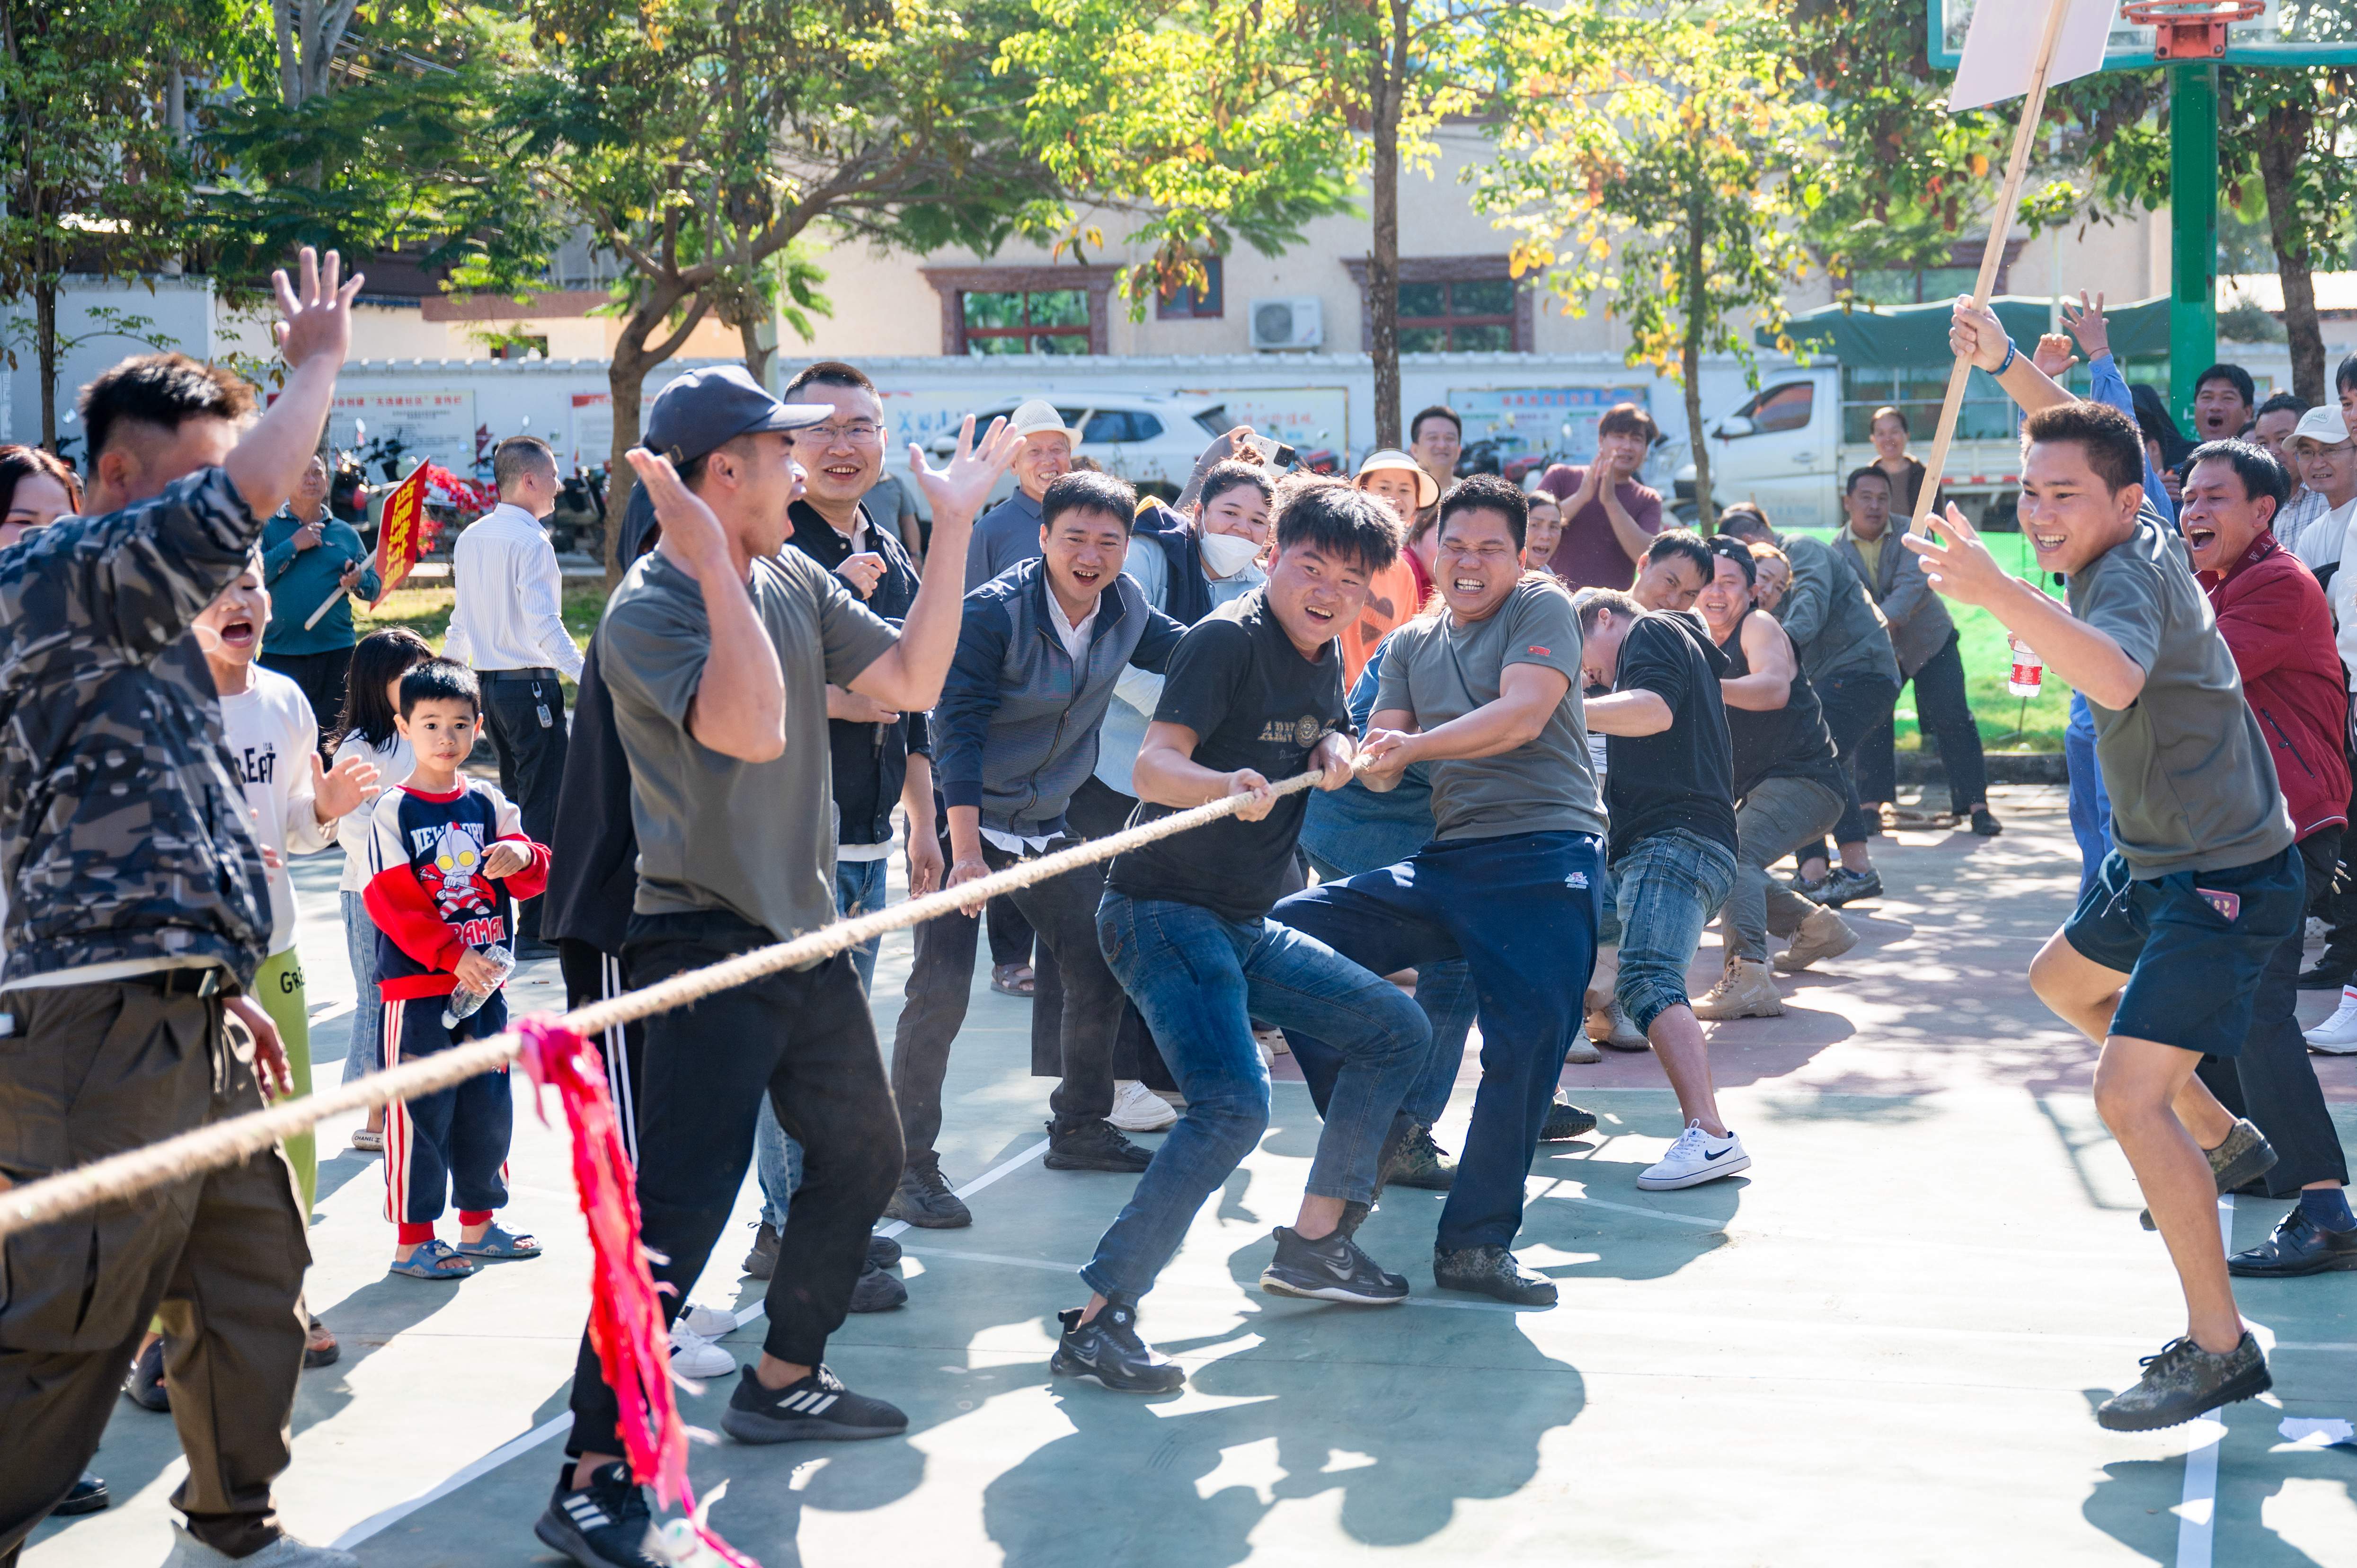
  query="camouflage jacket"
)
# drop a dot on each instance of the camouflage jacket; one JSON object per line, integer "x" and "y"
{"x": 123, "y": 828}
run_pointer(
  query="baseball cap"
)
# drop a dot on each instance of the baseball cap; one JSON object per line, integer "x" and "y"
{"x": 1426, "y": 491}
{"x": 1038, "y": 416}
{"x": 705, "y": 408}
{"x": 2322, "y": 425}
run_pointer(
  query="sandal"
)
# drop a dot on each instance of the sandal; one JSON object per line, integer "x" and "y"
{"x": 500, "y": 1246}
{"x": 434, "y": 1261}
{"x": 320, "y": 1347}
{"x": 368, "y": 1140}
{"x": 1013, "y": 980}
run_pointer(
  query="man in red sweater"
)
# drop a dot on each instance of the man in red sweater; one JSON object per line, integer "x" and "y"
{"x": 2274, "y": 618}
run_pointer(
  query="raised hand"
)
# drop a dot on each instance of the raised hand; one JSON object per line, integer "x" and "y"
{"x": 340, "y": 790}
{"x": 317, "y": 311}
{"x": 689, "y": 528}
{"x": 2052, "y": 356}
{"x": 959, "y": 491}
{"x": 1975, "y": 334}
{"x": 2086, "y": 323}
{"x": 1956, "y": 564}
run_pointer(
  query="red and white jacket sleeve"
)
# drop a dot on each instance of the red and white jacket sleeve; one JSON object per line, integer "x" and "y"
{"x": 398, "y": 902}
{"x": 508, "y": 822}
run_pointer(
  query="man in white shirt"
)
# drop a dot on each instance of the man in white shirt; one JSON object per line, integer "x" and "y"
{"x": 509, "y": 626}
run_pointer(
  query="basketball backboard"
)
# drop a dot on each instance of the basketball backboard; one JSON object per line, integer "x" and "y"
{"x": 2287, "y": 32}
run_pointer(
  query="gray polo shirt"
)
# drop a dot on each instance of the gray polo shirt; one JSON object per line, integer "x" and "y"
{"x": 752, "y": 838}
{"x": 2191, "y": 784}
{"x": 1440, "y": 672}
{"x": 1006, "y": 535}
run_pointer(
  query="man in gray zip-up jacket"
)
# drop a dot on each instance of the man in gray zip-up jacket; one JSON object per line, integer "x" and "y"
{"x": 1845, "y": 649}
{"x": 1014, "y": 735}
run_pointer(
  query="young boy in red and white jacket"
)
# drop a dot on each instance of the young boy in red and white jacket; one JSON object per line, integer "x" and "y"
{"x": 447, "y": 856}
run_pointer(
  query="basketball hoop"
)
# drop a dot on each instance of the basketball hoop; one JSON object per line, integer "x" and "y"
{"x": 2189, "y": 29}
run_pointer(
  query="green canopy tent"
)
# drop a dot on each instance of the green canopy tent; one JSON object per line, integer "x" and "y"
{"x": 1892, "y": 336}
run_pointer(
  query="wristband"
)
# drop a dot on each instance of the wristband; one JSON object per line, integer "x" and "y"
{"x": 2011, "y": 353}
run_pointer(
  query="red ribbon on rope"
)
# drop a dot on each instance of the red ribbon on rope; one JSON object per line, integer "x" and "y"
{"x": 627, "y": 1322}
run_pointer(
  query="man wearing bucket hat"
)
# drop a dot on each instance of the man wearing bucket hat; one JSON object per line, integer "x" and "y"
{"x": 1009, "y": 533}
{"x": 718, "y": 649}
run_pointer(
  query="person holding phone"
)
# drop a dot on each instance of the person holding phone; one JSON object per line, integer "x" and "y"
{"x": 313, "y": 561}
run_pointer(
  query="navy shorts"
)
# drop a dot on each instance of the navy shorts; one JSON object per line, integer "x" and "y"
{"x": 2193, "y": 945}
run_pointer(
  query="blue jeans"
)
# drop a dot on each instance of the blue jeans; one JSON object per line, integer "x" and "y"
{"x": 2090, "y": 804}
{"x": 1445, "y": 992}
{"x": 1670, "y": 884}
{"x": 1199, "y": 981}
{"x": 777, "y": 1159}
{"x": 366, "y": 1053}
{"x": 1521, "y": 911}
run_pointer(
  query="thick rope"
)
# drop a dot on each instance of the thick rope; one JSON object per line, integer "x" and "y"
{"x": 121, "y": 1176}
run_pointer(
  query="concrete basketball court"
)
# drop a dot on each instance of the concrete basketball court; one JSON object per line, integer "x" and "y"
{"x": 1881, "y": 1346}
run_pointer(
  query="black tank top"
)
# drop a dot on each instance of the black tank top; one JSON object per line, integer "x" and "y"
{"x": 1791, "y": 742}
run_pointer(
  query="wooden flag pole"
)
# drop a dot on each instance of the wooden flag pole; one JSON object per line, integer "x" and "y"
{"x": 2033, "y": 108}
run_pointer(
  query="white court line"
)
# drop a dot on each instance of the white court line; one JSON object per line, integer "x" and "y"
{"x": 326, "y": 1011}
{"x": 2196, "y": 1508}
{"x": 557, "y": 1426}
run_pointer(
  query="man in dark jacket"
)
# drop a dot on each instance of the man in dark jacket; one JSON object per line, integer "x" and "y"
{"x": 1014, "y": 735}
{"x": 131, "y": 933}
{"x": 2274, "y": 618}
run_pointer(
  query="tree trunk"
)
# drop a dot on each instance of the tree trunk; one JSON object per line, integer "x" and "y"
{"x": 757, "y": 358}
{"x": 1690, "y": 372}
{"x": 2281, "y": 152}
{"x": 1389, "y": 82}
{"x": 634, "y": 358}
{"x": 44, "y": 336}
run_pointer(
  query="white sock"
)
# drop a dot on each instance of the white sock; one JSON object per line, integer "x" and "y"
{"x": 2348, "y": 998}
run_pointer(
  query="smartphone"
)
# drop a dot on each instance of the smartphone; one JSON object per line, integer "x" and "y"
{"x": 1274, "y": 453}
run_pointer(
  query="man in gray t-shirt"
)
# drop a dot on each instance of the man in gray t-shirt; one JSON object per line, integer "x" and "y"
{"x": 2162, "y": 959}
{"x": 717, "y": 650}
{"x": 1485, "y": 691}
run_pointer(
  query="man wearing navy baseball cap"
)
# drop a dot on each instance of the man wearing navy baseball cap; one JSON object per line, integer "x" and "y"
{"x": 716, "y": 652}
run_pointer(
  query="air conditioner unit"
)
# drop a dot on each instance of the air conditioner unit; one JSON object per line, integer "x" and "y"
{"x": 1288, "y": 323}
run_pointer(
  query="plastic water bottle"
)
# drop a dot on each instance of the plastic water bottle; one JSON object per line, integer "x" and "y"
{"x": 465, "y": 1002}
{"x": 2029, "y": 675}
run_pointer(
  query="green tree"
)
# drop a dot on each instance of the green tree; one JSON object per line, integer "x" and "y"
{"x": 92, "y": 183}
{"x": 1668, "y": 168}
{"x": 2297, "y": 129}
{"x": 1210, "y": 120}
{"x": 699, "y": 140}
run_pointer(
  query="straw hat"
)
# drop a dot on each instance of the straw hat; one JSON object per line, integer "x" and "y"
{"x": 1427, "y": 491}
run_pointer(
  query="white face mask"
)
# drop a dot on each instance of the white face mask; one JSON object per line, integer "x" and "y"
{"x": 1225, "y": 555}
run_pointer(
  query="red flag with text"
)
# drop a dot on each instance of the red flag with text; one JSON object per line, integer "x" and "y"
{"x": 400, "y": 530}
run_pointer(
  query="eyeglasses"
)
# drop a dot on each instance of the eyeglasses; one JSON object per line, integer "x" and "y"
{"x": 858, "y": 433}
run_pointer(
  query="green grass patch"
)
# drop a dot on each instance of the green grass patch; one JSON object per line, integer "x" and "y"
{"x": 427, "y": 611}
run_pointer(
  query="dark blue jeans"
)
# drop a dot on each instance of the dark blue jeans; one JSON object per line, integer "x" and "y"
{"x": 1521, "y": 911}
{"x": 1445, "y": 992}
{"x": 1200, "y": 981}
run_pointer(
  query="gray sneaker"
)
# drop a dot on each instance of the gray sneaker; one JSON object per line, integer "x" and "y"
{"x": 1420, "y": 1163}
{"x": 286, "y": 1552}
{"x": 2184, "y": 1380}
{"x": 2245, "y": 1155}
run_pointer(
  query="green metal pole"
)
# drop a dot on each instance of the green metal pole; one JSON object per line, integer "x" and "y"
{"x": 2194, "y": 230}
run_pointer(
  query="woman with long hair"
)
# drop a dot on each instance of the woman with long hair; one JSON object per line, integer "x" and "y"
{"x": 36, "y": 489}
{"x": 371, "y": 702}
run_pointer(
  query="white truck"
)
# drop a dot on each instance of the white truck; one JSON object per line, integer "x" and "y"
{"x": 1787, "y": 447}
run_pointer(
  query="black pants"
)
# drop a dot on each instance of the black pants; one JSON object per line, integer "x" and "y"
{"x": 1010, "y": 933}
{"x": 1075, "y": 1013}
{"x": 1099, "y": 810}
{"x": 525, "y": 714}
{"x": 93, "y": 1070}
{"x": 1854, "y": 704}
{"x": 324, "y": 678}
{"x": 2334, "y": 900}
{"x": 591, "y": 975}
{"x": 1944, "y": 713}
{"x": 805, "y": 1038}
{"x": 2273, "y": 1082}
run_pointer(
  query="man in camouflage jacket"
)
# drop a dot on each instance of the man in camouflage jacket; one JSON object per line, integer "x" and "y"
{"x": 137, "y": 913}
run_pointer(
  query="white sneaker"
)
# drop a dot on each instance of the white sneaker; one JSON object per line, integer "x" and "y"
{"x": 1696, "y": 1158}
{"x": 1137, "y": 1109}
{"x": 694, "y": 1356}
{"x": 708, "y": 1322}
{"x": 286, "y": 1552}
{"x": 2337, "y": 1036}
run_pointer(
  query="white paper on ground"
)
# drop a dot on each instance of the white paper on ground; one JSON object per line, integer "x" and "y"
{"x": 2001, "y": 47}
{"x": 2320, "y": 1434}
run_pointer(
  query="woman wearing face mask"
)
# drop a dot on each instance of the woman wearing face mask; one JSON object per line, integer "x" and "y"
{"x": 36, "y": 489}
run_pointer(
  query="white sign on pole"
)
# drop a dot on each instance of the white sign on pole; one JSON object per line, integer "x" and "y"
{"x": 2001, "y": 47}
{"x": 593, "y": 429}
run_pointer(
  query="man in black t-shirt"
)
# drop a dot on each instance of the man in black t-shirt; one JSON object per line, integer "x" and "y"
{"x": 1670, "y": 793}
{"x": 1253, "y": 694}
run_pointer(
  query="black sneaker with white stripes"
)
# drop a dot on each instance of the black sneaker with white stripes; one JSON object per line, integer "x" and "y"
{"x": 817, "y": 1408}
{"x": 1331, "y": 1268}
{"x": 601, "y": 1525}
